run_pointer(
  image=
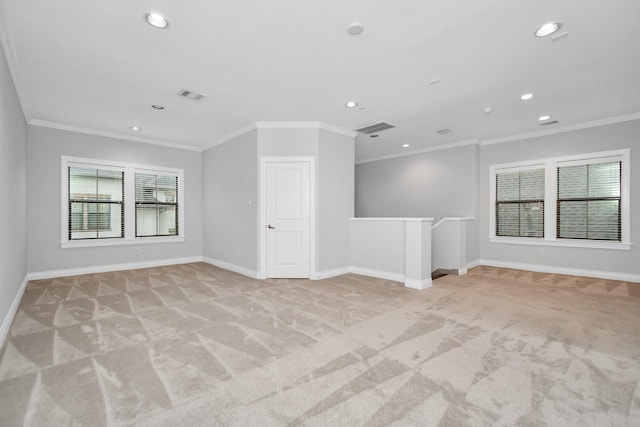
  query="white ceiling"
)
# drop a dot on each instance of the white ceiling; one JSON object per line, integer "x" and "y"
{"x": 98, "y": 66}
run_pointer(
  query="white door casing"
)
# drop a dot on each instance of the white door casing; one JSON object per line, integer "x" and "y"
{"x": 287, "y": 218}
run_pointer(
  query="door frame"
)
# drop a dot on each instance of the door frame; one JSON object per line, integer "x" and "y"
{"x": 262, "y": 212}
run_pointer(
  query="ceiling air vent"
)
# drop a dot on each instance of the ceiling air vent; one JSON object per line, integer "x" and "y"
{"x": 375, "y": 128}
{"x": 444, "y": 131}
{"x": 191, "y": 94}
{"x": 552, "y": 122}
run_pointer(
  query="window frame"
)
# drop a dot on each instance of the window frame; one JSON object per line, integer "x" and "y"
{"x": 551, "y": 199}
{"x": 130, "y": 169}
{"x": 157, "y": 204}
{"x": 496, "y": 202}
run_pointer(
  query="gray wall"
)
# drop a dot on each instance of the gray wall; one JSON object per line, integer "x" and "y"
{"x": 435, "y": 184}
{"x": 44, "y": 148}
{"x": 230, "y": 185}
{"x": 287, "y": 142}
{"x": 335, "y": 199}
{"x": 13, "y": 231}
{"x": 611, "y": 137}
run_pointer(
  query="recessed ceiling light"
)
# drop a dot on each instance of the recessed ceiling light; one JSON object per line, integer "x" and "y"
{"x": 158, "y": 107}
{"x": 406, "y": 145}
{"x": 434, "y": 82}
{"x": 487, "y": 110}
{"x": 351, "y": 104}
{"x": 543, "y": 118}
{"x": 526, "y": 96}
{"x": 355, "y": 28}
{"x": 157, "y": 20}
{"x": 548, "y": 29}
{"x": 135, "y": 128}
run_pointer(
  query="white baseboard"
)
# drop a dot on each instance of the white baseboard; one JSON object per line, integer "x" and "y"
{"x": 332, "y": 273}
{"x": 418, "y": 284}
{"x": 13, "y": 309}
{"x": 377, "y": 273}
{"x": 233, "y": 267}
{"x": 609, "y": 275}
{"x": 108, "y": 268}
{"x": 473, "y": 264}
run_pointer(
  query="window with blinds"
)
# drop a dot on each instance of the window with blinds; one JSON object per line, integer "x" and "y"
{"x": 520, "y": 203}
{"x": 577, "y": 201}
{"x": 589, "y": 201}
{"x": 95, "y": 203}
{"x": 156, "y": 204}
{"x": 108, "y": 203}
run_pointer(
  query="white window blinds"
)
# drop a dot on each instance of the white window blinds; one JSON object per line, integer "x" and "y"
{"x": 156, "y": 204}
{"x": 589, "y": 201}
{"x": 95, "y": 198}
{"x": 520, "y": 203}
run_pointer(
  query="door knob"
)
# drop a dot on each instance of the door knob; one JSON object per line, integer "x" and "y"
{"x": 271, "y": 227}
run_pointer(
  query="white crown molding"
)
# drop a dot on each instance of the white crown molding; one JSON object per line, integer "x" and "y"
{"x": 230, "y": 136}
{"x": 107, "y": 134}
{"x": 16, "y": 73}
{"x": 562, "y": 129}
{"x": 337, "y": 129}
{"x": 305, "y": 125}
{"x": 287, "y": 124}
{"x": 421, "y": 151}
{"x": 279, "y": 125}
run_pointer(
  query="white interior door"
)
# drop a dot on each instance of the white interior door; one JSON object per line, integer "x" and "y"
{"x": 287, "y": 219}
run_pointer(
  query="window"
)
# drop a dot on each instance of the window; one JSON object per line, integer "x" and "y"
{"x": 570, "y": 201}
{"x": 95, "y": 203}
{"x": 520, "y": 203}
{"x": 106, "y": 203}
{"x": 156, "y": 205}
{"x": 589, "y": 201}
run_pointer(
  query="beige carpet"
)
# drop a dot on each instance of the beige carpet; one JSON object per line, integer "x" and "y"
{"x": 194, "y": 345}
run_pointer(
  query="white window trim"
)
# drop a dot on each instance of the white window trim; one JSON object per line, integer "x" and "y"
{"x": 550, "y": 165}
{"x": 129, "y": 203}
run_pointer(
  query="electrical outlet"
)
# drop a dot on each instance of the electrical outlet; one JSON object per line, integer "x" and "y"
{"x": 137, "y": 251}
{"x": 541, "y": 252}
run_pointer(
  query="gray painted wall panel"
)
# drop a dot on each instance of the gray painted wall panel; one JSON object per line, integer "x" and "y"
{"x": 230, "y": 184}
{"x": 435, "y": 184}
{"x": 13, "y": 231}
{"x": 44, "y": 148}
{"x": 335, "y": 199}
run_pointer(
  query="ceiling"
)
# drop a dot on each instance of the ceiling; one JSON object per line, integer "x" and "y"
{"x": 97, "y": 66}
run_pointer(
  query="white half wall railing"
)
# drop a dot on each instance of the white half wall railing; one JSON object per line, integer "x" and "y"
{"x": 449, "y": 244}
{"x": 396, "y": 249}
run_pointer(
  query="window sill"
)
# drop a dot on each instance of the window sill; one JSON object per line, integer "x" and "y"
{"x": 567, "y": 243}
{"x": 120, "y": 241}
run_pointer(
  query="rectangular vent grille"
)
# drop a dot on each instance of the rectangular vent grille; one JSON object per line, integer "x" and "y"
{"x": 375, "y": 128}
{"x": 191, "y": 94}
{"x": 444, "y": 131}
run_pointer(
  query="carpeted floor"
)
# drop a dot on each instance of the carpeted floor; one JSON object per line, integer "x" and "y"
{"x": 194, "y": 345}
